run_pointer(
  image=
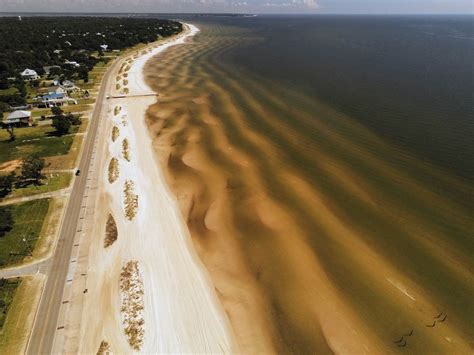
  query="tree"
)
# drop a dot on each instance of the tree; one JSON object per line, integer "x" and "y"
{"x": 62, "y": 124}
{"x": 6, "y": 221}
{"x": 11, "y": 132}
{"x": 6, "y": 184}
{"x": 56, "y": 110}
{"x": 31, "y": 169}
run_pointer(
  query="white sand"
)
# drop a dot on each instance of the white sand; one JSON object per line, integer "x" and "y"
{"x": 181, "y": 310}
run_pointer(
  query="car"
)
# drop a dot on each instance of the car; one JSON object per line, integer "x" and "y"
{"x": 78, "y": 172}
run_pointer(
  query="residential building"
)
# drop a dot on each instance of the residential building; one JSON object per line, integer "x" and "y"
{"x": 29, "y": 74}
{"x": 18, "y": 118}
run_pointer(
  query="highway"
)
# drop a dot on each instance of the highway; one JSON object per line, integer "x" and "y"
{"x": 46, "y": 320}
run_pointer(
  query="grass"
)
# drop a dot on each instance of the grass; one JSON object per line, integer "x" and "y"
{"x": 53, "y": 182}
{"x": 7, "y": 291}
{"x": 115, "y": 133}
{"x": 130, "y": 200}
{"x": 126, "y": 149}
{"x": 131, "y": 286}
{"x": 76, "y": 108}
{"x": 104, "y": 348}
{"x": 111, "y": 232}
{"x": 19, "y": 319}
{"x": 28, "y": 220}
{"x": 41, "y": 112}
{"x": 39, "y": 140}
{"x": 10, "y": 91}
{"x": 113, "y": 170}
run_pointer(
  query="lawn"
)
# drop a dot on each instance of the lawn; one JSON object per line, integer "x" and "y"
{"x": 20, "y": 241}
{"x": 34, "y": 140}
{"x": 10, "y": 91}
{"x": 7, "y": 291}
{"x": 53, "y": 182}
{"x": 19, "y": 320}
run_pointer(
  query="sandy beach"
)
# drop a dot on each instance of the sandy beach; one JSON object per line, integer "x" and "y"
{"x": 146, "y": 289}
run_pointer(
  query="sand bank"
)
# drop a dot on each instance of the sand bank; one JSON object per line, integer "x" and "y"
{"x": 181, "y": 313}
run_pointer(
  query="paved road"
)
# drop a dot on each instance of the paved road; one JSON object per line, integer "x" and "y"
{"x": 25, "y": 270}
{"x": 44, "y": 329}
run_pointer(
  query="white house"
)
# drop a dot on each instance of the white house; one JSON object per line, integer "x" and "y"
{"x": 104, "y": 47}
{"x": 56, "y": 90}
{"x": 73, "y": 63}
{"x": 29, "y": 74}
{"x": 18, "y": 118}
{"x": 69, "y": 86}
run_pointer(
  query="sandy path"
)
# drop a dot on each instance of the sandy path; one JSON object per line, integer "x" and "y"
{"x": 181, "y": 311}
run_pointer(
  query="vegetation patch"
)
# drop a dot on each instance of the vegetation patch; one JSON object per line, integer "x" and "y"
{"x": 117, "y": 87}
{"x": 115, "y": 133}
{"x": 114, "y": 171}
{"x": 111, "y": 232}
{"x": 126, "y": 149}
{"x": 131, "y": 286}
{"x": 130, "y": 200}
{"x": 54, "y": 182}
{"x": 126, "y": 91}
{"x": 7, "y": 291}
{"x": 125, "y": 82}
{"x": 41, "y": 140}
{"x": 117, "y": 110}
{"x": 21, "y": 227}
{"x": 104, "y": 349}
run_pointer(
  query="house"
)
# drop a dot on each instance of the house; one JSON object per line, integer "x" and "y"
{"x": 104, "y": 47}
{"x": 72, "y": 63}
{"x": 54, "y": 99}
{"x": 69, "y": 86}
{"x": 56, "y": 90}
{"x": 18, "y": 118}
{"x": 29, "y": 74}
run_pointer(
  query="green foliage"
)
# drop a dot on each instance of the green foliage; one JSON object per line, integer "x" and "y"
{"x": 7, "y": 291}
{"x": 62, "y": 124}
{"x": 28, "y": 220}
{"x": 31, "y": 169}
{"x": 6, "y": 184}
{"x": 56, "y": 110}
{"x": 6, "y": 221}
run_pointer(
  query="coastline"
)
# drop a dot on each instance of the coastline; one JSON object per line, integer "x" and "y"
{"x": 180, "y": 310}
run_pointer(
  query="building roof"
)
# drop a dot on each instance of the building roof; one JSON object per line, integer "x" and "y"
{"x": 53, "y": 89}
{"x": 53, "y": 96}
{"x": 19, "y": 114}
{"x": 29, "y": 72}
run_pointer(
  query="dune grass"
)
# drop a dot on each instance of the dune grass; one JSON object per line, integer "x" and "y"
{"x": 111, "y": 232}
{"x": 130, "y": 200}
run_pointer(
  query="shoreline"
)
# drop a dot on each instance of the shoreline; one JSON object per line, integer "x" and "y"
{"x": 181, "y": 312}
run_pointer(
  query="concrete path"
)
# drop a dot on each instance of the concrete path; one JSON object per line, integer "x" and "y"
{"x": 11, "y": 201}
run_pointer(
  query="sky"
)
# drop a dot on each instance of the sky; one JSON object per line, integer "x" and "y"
{"x": 244, "y": 6}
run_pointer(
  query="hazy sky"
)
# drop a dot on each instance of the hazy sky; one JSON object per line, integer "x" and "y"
{"x": 242, "y": 6}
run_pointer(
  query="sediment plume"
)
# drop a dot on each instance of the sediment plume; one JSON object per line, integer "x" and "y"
{"x": 318, "y": 235}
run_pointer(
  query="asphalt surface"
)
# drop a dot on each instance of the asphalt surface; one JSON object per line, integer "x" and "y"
{"x": 46, "y": 321}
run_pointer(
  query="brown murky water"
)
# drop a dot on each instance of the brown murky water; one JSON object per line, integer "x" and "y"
{"x": 319, "y": 235}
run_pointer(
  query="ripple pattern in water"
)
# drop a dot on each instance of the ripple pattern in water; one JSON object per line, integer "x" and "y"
{"x": 319, "y": 236}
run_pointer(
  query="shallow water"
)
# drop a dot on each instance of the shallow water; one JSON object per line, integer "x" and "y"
{"x": 330, "y": 213}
